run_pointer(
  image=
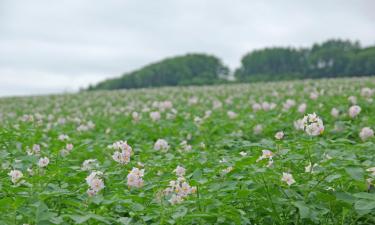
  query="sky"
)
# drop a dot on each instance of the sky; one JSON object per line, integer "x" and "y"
{"x": 60, "y": 46}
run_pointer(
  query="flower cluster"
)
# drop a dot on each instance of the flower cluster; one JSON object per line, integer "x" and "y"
{"x": 95, "y": 182}
{"x": 123, "y": 153}
{"x": 267, "y": 154}
{"x": 179, "y": 189}
{"x": 312, "y": 125}
{"x": 15, "y": 176}
{"x": 135, "y": 177}
{"x": 161, "y": 144}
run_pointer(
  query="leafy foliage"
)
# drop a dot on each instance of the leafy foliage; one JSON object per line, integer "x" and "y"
{"x": 232, "y": 185}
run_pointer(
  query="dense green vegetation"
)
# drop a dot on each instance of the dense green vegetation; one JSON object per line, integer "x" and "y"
{"x": 189, "y": 69}
{"x": 333, "y": 58}
{"x": 242, "y": 154}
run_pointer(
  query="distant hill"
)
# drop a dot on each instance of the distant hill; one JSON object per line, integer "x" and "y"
{"x": 190, "y": 69}
{"x": 332, "y": 58}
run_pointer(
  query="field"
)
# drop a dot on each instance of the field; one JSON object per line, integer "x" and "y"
{"x": 230, "y": 154}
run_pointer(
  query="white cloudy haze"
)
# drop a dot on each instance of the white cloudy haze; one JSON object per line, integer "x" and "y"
{"x": 59, "y": 46}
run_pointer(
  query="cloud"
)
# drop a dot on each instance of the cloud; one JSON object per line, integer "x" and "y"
{"x": 89, "y": 40}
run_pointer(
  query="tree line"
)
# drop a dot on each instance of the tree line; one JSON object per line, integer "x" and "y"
{"x": 332, "y": 58}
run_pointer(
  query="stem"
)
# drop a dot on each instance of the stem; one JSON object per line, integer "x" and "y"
{"x": 270, "y": 199}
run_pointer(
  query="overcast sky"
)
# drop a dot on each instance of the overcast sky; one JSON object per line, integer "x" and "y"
{"x": 59, "y": 46}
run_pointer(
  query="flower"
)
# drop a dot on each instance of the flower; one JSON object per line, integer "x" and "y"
{"x": 15, "y": 175}
{"x": 178, "y": 190}
{"x": 335, "y": 112}
{"x": 352, "y": 99}
{"x": 354, "y": 111}
{"x": 89, "y": 164}
{"x": 180, "y": 171}
{"x": 258, "y": 129}
{"x": 155, "y": 116}
{"x": 366, "y": 133}
{"x": 266, "y": 154}
{"x": 288, "y": 178}
{"x": 227, "y": 170}
{"x": 43, "y": 162}
{"x": 63, "y": 137}
{"x": 95, "y": 183}
{"x": 123, "y": 156}
{"x": 135, "y": 177}
{"x": 256, "y": 107}
{"x": 288, "y": 104}
{"x": 298, "y": 124}
{"x": 309, "y": 168}
{"x": 302, "y": 108}
{"x": 314, "y": 95}
{"x": 231, "y": 114}
{"x": 243, "y": 153}
{"x": 313, "y": 125}
{"x": 279, "y": 135}
{"x": 35, "y": 150}
{"x": 136, "y": 117}
{"x": 372, "y": 170}
{"x": 367, "y": 92}
{"x": 161, "y": 144}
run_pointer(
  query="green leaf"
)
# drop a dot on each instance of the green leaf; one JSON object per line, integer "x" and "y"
{"x": 364, "y": 204}
{"x": 355, "y": 172}
{"x": 303, "y": 209}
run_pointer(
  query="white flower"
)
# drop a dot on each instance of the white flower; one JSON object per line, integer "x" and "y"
{"x": 302, "y": 108}
{"x": 95, "y": 183}
{"x": 309, "y": 168}
{"x": 352, "y": 99}
{"x": 69, "y": 147}
{"x": 288, "y": 178}
{"x": 314, "y": 95}
{"x": 354, "y": 111}
{"x": 243, "y": 153}
{"x": 161, "y": 144}
{"x": 367, "y": 92}
{"x": 180, "y": 171}
{"x": 35, "y": 150}
{"x": 279, "y": 135}
{"x": 122, "y": 156}
{"x": 155, "y": 116}
{"x": 89, "y": 164}
{"x": 43, "y": 162}
{"x": 63, "y": 137}
{"x": 136, "y": 117}
{"x": 335, "y": 112}
{"x": 256, "y": 107}
{"x": 266, "y": 154}
{"x": 313, "y": 125}
{"x": 135, "y": 178}
{"x": 288, "y": 104}
{"x": 15, "y": 175}
{"x": 366, "y": 133}
{"x": 231, "y": 114}
{"x": 227, "y": 170}
{"x": 372, "y": 170}
{"x": 298, "y": 124}
{"x": 258, "y": 129}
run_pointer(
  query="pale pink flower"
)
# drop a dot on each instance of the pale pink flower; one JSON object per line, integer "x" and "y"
{"x": 366, "y": 133}
{"x": 180, "y": 171}
{"x": 43, "y": 162}
{"x": 161, "y": 144}
{"x": 279, "y": 135}
{"x": 354, "y": 111}
{"x": 15, "y": 175}
{"x": 288, "y": 178}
